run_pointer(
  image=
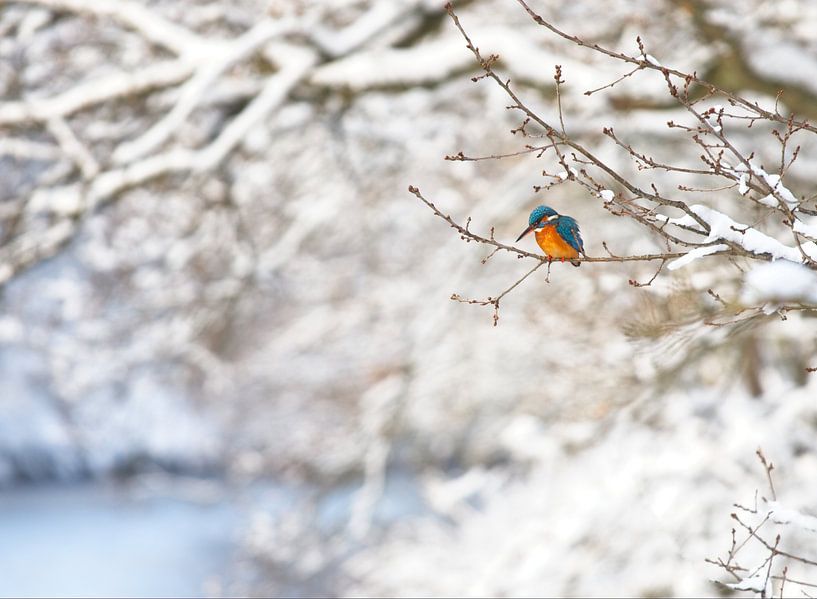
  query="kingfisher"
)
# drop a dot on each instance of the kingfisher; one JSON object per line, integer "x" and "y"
{"x": 556, "y": 234}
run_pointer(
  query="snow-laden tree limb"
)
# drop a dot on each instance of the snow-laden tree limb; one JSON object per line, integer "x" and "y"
{"x": 96, "y": 91}
{"x": 207, "y": 72}
{"x": 215, "y": 62}
{"x": 179, "y": 40}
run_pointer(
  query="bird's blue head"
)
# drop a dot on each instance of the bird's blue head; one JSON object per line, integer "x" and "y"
{"x": 540, "y": 212}
{"x": 538, "y": 217}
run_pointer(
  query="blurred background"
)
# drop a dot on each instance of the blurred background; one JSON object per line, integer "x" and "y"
{"x": 228, "y": 359}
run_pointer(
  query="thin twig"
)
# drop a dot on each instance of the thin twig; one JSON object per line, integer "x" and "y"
{"x": 494, "y": 301}
{"x": 768, "y": 467}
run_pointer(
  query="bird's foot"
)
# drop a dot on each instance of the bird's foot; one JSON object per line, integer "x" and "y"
{"x": 550, "y": 259}
{"x": 563, "y": 260}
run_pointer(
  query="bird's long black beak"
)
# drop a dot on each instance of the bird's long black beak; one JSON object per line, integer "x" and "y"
{"x": 525, "y": 232}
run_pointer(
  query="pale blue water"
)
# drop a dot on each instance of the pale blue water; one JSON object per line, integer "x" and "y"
{"x": 165, "y": 536}
{"x": 93, "y": 540}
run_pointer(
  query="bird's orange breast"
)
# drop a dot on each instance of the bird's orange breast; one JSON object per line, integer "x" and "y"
{"x": 553, "y": 245}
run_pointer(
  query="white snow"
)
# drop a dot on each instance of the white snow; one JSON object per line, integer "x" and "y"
{"x": 223, "y": 306}
{"x": 650, "y": 59}
{"x": 805, "y": 229}
{"x": 724, "y": 228}
{"x": 757, "y": 582}
{"x": 63, "y": 201}
{"x": 774, "y": 181}
{"x": 767, "y": 53}
{"x": 563, "y": 174}
{"x": 682, "y": 221}
{"x": 436, "y": 59}
{"x": 780, "y": 281}
{"x": 784, "y": 515}
{"x": 400, "y": 66}
{"x": 743, "y": 187}
{"x": 695, "y": 254}
{"x": 750, "y": 239}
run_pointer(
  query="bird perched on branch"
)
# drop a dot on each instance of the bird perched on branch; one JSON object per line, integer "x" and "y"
{"x": 556, "y": 234}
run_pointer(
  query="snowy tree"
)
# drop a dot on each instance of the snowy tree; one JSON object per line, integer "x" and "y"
{"x": 728, "y": 172}
{"x": 209, "y": 264}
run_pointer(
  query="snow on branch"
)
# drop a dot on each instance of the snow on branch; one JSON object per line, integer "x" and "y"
{"x": 213, "y": 64}
{"x": 783, "y": 515}
{"x": 780, "y": 281}
{"x": 693, "y": 255}
{"x": 96, "y": 91}
{"x": 114, "y": 128}
{"x": 134, "y": 15}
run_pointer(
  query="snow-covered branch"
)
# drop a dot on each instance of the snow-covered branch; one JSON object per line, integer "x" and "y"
{"x": 239, "y": 81}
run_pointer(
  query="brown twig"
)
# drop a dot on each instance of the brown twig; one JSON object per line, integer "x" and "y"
{"x": 768, "y": 467}
{"x": 494, "y": 301}
{"x": 644, "y": 63}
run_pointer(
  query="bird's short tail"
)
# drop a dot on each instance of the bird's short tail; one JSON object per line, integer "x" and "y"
{"x": 577, "y": 263}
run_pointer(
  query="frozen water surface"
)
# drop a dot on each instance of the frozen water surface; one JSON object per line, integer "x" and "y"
{"x": 88, "y": 540}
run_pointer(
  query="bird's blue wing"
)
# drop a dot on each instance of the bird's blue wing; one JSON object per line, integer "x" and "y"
{"x": 568, "y": 229}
